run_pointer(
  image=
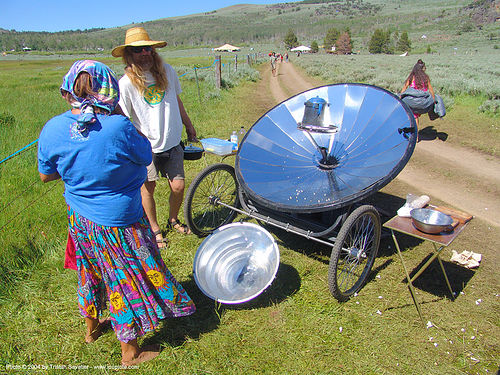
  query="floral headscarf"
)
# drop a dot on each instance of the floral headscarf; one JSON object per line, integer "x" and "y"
{"x": 104, "y": 83}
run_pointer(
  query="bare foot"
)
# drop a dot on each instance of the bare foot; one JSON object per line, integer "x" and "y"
{"x": 101, "y": 327}
{"x": 146, "y": 354}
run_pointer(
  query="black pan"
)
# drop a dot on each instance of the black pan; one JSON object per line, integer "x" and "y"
{"x": 192, "y": 152}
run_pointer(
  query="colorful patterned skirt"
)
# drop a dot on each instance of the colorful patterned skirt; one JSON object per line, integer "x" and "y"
{"x": 123, "y": 265}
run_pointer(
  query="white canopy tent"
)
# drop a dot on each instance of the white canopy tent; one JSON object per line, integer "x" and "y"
{"x": 227, "y": 48}
{"x": 301, "y": 49}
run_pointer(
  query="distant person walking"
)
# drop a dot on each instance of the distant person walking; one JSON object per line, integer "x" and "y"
{"x": 150, "y": 92}
{"x": 418, "y": 80}
{"x": 273, "y": 59}
{"x": 102, "y": 160}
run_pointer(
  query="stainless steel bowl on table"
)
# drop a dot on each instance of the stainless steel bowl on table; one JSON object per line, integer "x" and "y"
{"x": 431, "y": 221}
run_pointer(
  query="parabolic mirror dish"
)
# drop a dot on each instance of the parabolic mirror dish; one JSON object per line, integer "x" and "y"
{"x": 282, "y": 166}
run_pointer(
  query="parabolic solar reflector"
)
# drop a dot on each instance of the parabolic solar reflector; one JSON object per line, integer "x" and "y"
{"x": 365, "y": 138}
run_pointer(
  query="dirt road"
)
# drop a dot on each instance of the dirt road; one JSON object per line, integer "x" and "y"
{"x": 461, "y": 178}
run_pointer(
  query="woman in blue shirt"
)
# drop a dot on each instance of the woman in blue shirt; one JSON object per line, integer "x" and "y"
{"x": 102, "y": 160}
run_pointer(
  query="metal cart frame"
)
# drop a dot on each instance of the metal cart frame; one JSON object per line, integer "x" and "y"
{"x": 353, "y": 231}
{"x": 214, "y": 199}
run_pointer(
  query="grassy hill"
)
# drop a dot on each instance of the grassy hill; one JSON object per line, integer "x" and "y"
{"x": 246, "y": 24}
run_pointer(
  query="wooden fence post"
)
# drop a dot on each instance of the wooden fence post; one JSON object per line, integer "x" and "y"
{"x": 218, "y": 72}
{"x": 235, "y": 63}
{"x": 248, "y": 60}
{"x": 197, "y": 84}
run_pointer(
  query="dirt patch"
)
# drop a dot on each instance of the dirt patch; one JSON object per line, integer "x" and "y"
{"x": 459, "y": 177}
{"x": 288, "y": 81}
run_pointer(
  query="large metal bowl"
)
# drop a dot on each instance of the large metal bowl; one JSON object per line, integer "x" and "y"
{"x": 236, "y": 263}
{"x": 431, "y": 221}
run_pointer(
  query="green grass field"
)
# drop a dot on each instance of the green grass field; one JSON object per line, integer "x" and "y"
{"x": 295, "y": 327}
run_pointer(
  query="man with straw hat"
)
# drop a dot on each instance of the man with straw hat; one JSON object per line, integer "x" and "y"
{"x": 149, "y": 95}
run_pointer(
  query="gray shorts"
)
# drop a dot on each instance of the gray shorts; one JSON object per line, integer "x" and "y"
{"x": 169, "y": 163}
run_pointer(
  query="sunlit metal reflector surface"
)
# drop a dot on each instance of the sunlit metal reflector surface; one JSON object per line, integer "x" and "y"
{"x": 285, "y": 167}
{"x": 236, "y": 263}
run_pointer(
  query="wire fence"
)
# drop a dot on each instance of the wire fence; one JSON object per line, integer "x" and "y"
{"x": 250, "y": 58}
{"x": 18, "y": 152}
{"x": 26, "y": 205}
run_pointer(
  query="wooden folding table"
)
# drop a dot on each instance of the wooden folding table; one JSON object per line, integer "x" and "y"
{"x": 439, "y": 241}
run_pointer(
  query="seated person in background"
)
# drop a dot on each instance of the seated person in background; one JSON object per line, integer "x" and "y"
{"x": 419, "y": 80}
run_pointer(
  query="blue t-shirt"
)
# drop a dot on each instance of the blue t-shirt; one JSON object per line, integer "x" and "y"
{"x": 102, "y": 168}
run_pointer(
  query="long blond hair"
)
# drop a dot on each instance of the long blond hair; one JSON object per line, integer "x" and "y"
{"x": 138, "y": 77}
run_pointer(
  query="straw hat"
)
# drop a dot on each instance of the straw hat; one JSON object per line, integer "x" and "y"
{"x": 135, "y": 37}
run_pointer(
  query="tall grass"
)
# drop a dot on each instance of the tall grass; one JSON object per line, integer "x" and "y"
{"x": 32, "y": 215}
{"x": 451, "y": 73}
{"x": 458, "y": 77}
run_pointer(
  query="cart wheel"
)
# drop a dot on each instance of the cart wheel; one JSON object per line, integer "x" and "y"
{"x": 215, "y": 183}
{"x": 354, "y": 252}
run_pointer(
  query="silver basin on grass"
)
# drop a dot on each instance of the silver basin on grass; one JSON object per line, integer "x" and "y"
{"x": 236, "y": 263}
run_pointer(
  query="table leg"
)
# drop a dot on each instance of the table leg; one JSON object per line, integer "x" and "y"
{"x": 444, "y": 272}
{"x": 410, "y": 285}
{"x": 429, "y": 261}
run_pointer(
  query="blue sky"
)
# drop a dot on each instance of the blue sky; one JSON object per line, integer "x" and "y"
{"x": 57, "y": 15}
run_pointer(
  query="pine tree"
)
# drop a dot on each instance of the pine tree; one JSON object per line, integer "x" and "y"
{"x": 380, "y": 42}
{"x": 331, "y": 38}
{"x": 290, "y": 40}
{"x": 348, "y": 31}
{"x": 404, "y": 43}
{"x": 389, "y": 45}
{"x": 314, "y": 46}
{"x": 376, "y": 44}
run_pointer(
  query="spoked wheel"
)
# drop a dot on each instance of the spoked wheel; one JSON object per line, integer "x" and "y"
{"x": 215, "y": 183}
{"x": 354, "y": 252}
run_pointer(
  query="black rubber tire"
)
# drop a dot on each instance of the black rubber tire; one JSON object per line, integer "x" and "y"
{"x": 354, "y": 252}
{"x": 216, "y": 182}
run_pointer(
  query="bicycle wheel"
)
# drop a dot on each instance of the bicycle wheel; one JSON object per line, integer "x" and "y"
{"x": 215, "y": 183}
{"x": 354, "y": 252}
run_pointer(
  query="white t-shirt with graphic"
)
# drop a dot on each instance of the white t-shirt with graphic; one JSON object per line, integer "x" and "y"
{"x": 155, "y": 113}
